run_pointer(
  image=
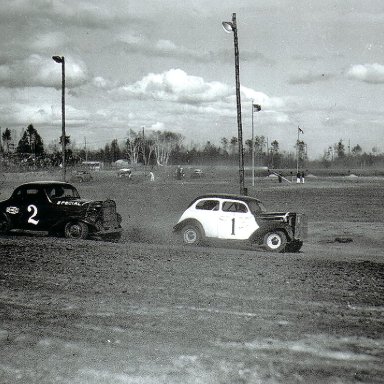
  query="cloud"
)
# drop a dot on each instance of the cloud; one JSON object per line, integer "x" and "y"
{"x": 40, "y": 71}
{"x": 42, "y": 114}
{"x": 133, "y": 42}
{"x": 47, "y": 41}
{"x": 177, "y": 86}
{"x": 309, "y": 77}
{"x": 78, "y": 13}
{"x": 368, "y": 73}
{"x": 158, "y": 126}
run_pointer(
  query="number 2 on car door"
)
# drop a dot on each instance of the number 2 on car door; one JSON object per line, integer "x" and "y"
{"x": 32, "y": 208}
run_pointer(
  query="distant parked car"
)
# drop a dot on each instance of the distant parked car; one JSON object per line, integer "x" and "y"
{"x": 197, "y": 173}
{"x": 240, "y": 218}
{"x": 124, "y": 172}
{"x": 56, "y": 208}
{"x": 81, "y": 176}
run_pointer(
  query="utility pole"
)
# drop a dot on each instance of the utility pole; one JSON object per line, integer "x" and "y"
{"x": 61, "y": 61}
{"x": 232, "y": 27}
{"x": 85, "y": 149}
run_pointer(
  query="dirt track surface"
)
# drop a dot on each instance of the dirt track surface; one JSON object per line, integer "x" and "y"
{"x": 148, "y": 310}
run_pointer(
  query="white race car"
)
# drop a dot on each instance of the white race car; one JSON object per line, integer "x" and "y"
{"x": 241, "y": 218}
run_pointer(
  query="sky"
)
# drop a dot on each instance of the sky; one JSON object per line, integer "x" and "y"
{"x": 169, "y": 65}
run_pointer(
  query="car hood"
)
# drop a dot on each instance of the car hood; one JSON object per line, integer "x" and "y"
{"x": 275, "y": 216}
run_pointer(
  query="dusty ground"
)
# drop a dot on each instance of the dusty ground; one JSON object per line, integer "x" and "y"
{"x": 148, "y": 310}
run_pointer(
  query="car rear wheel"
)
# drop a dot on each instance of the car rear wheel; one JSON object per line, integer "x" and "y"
{"x": 191, "y": 235}
{"x": 275, "y": 241}
{"x": 76, "y": 230}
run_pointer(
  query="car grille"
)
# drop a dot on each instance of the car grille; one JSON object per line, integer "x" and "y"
{"x": 300, "y": 226}
{"x": 109, "y": 215}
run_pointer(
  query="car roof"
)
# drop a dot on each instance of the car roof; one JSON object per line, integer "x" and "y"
{"x": 226, "y": 196}
{"x": 44, "y": 183}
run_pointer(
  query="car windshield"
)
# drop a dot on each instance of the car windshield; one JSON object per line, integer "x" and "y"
{"x": 256, "y": 207}
{"x": 62, "y": 191}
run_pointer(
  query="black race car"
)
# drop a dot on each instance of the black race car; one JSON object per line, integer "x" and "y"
{"x": 56, "y": 208}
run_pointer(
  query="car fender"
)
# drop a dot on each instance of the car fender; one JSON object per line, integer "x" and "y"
{"x": 268, "y": 226}
{"x": 63, "y": 221}
{"x": 185, "y": 222}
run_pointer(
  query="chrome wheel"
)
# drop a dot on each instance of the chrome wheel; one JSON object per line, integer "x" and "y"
{"x": 191, "y": 235}
{"x": 275, "y": 241}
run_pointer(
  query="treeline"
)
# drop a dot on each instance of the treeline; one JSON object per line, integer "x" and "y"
{"x": 167, "y": 148}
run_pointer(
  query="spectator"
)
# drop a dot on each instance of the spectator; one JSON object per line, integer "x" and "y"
{"x": 302, "y": 177}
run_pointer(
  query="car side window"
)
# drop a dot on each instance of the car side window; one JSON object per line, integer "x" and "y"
{"x": 18, "y": 195}
{"x": 233, "y": 206}
{"x": 208, "y": 205}
{"x": 34, "y": 194}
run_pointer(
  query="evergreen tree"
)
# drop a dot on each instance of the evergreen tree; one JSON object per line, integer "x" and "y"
{"x": 115, "y": 151}
{"x": 30, "y": 142}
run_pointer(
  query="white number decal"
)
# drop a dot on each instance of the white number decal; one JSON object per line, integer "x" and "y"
{"x": 31, "y": 218}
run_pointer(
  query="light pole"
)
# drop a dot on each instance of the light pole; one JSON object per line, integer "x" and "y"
{"x": 299, "y": 130}
{"x": 60, "y": 59}
{"x": 257, "y": 108}
{"x": 232, "y": 27}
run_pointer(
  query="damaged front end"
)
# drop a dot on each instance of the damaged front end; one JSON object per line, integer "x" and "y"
{"x": 103, "y": 219}
{"x": 295, "y": 224}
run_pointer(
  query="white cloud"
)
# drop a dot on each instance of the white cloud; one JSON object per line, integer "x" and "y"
{"x": 265, "y": 101}
{"x": 369, "y": 73}
{"x": 47, "y": 41}
{"x": 166, "y": 45}
{"x": 40, "y": 71}
{"x": 308, "y": 77}
{"x": 158, "y": 126}
{"x": 177, "y": 86}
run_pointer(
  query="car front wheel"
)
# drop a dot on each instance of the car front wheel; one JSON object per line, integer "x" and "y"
{"x": 275, "y": 241}
{"x": 191, "y": 235}
{"x": 76, "y": 230}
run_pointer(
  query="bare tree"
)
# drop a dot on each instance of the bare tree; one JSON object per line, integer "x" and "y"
{"x": 163, "y": 145}
{"x": 7, "y": 138}
{"x": 133, "y": 146}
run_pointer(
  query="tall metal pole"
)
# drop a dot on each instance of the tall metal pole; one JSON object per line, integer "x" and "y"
{"x": 297, "y": 150}
{"x": 63, "y": 115}
{"x": 258, "y": 108}
{"x": 232, "y": 27}
{"x": 238, "y": 106}
{"x": 253, "y": 151}
{"x": 60, "y": 59}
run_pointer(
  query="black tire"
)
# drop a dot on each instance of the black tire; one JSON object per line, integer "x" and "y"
{"x": 275, "y": 241}
{"x": 4, "y": 225}
{"x": 191, "y": 235}
{"x": 76, "y": 230}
